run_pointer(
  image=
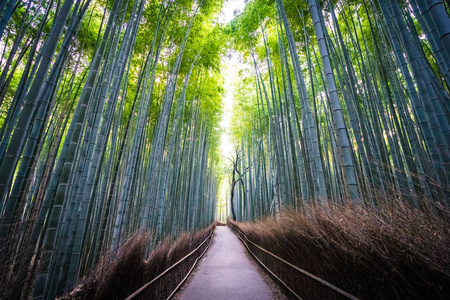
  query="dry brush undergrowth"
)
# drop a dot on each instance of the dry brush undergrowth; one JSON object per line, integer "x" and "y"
{"x": 122, "y": 272}
{"x": 391, "y": 252}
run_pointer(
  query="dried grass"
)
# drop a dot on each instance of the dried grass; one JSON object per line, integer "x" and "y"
{"x": 391, "y": 252}
{"x": 119, "y": 274}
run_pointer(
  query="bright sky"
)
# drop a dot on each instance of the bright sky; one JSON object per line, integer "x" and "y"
{"x": 231, "y": 67}
{"x": 230, "y": 74}
{"x": 228, "y": 9}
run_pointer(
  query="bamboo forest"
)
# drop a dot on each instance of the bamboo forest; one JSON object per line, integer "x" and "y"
{"x": 316, "y": 130}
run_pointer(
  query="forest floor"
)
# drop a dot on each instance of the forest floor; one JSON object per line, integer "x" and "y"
{"x": 228, "y": 272}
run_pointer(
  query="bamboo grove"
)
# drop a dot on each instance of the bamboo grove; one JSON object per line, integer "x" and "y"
{"x": 110, "y": 111}
{"x": 109, "y": 126}
{"x": 344, "y": 102}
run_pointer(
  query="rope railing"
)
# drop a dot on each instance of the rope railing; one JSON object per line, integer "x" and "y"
{"x": 322, "y": 281}
{"x": 145, "y": 286}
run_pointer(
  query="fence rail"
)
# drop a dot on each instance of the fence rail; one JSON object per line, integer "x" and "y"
{"x": 322, "y": 281}
{"x": 145, "y": 286}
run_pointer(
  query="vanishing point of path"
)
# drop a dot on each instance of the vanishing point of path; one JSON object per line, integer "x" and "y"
{"x": 227, "y": 272}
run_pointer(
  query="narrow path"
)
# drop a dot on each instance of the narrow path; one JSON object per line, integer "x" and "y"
{"x": 227, "y": 272}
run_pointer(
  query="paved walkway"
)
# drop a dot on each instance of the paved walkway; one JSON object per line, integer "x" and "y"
{"x": 226, "y": 272}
